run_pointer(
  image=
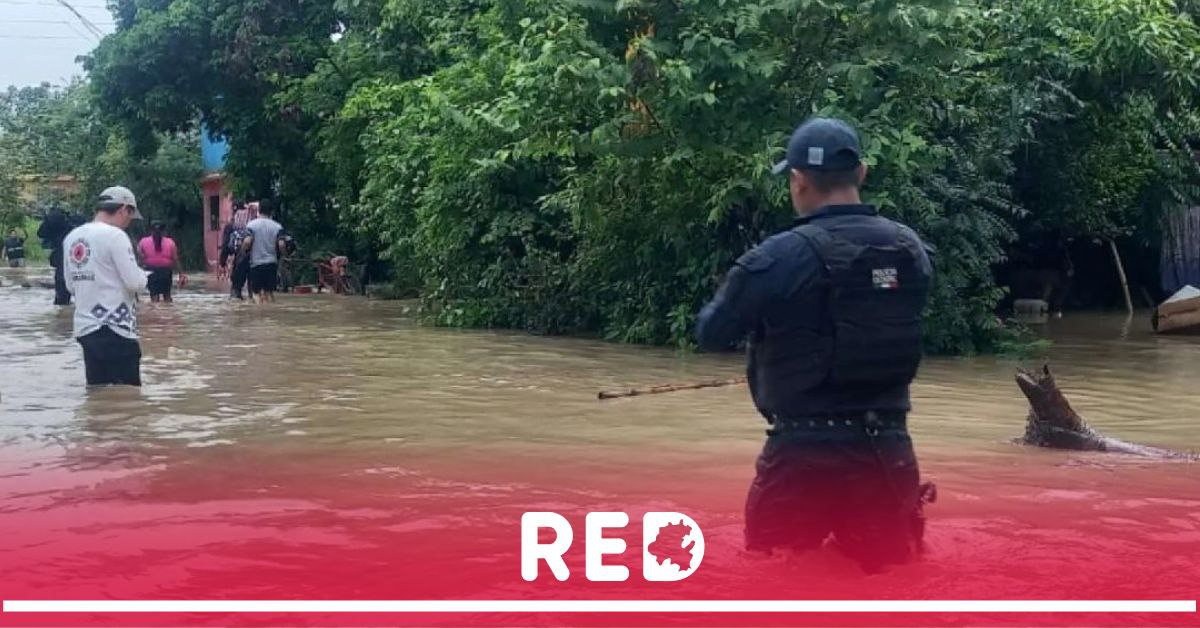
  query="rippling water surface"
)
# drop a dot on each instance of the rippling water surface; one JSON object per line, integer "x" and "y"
{"x": 267, "y": 440}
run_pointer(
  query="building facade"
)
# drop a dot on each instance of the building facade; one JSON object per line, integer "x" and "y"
{"x": 41, "y": 190}
{"x": 218, "y": 201}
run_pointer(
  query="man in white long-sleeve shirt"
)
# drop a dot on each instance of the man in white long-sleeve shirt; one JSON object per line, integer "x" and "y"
{"x": 102, "y": 273}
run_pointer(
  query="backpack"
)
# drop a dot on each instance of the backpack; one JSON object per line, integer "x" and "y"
{"x": 876, "y": 296}
{"x": 289, "y": 243}
{"x": 236, "y": 238}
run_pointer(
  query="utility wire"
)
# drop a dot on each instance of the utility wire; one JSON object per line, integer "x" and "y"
{"x": 7, "y": 36}
{"x": 34, "y": 3}
{"x": 79, "y": 33}
{"x": 99, "y": 34}
{"x": 37, "y": 21}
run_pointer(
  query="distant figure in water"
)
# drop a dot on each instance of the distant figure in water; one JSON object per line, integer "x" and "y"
{"x": 233, "y": 263}
{"x": 160, "y": 256}
{"x": 55, "y": 226}
{"x": 232, "y": 255}
{"x": 14, "y": 249}
{"x": 263, "y": 246}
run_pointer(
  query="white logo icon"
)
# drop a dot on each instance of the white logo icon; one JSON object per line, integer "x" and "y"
{"x": 672, "y": 546}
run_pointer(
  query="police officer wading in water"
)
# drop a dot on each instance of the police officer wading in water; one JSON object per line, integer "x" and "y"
{"x": 833, "y": 309}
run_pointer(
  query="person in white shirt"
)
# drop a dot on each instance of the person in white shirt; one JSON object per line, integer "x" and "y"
{"x": 99, "y": 268}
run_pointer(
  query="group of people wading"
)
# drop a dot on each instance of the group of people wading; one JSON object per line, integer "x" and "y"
{"x": 96, "y": 263}
{"x": 252, "y": 243}
{"x": 157, "y": 253}
{"x": 832, "y": 308}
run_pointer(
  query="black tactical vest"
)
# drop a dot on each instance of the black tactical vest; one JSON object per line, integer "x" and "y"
{"x": 875, "y": 294}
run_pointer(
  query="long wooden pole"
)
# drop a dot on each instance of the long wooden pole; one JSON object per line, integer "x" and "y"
{"x": 666, "y": 388}
{"x": 1112, "y": 246}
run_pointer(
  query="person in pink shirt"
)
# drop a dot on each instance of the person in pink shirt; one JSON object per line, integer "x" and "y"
{"x": 160, "y": 256}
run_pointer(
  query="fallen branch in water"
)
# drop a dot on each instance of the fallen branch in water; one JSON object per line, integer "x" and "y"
{"x": 666, "y": 388}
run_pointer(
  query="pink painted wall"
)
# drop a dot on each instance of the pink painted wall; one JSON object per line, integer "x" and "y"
{"x": 213, "y": 187}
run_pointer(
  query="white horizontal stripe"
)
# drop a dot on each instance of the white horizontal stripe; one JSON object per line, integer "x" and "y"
{"x": 600, "y": 606}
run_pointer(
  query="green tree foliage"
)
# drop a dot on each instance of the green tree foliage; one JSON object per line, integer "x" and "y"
{"x": 51, "y": 131}
{"x": 577, "y": 166}
{"x": 241, "y": 68}
{"x": 1106, "y": 167}
{"x": 48, "y": 130}
{"x": 12, "y": 214}
{"x": 597, "y": 169}
{"x": 166, "y": 183}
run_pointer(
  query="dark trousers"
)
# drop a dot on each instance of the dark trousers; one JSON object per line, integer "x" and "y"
{"x": 159, "y": 282}
{"x": 109, "y": 358}
{"x": 838, "y": 480}
{"x": 62, "y": 296}
{"x": 238, "y": 275}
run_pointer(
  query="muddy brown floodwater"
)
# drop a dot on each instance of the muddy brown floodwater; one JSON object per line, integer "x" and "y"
{"x": 265, "y": 434}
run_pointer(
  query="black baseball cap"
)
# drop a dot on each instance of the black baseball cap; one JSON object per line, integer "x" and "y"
{"x": 824, "y": 144}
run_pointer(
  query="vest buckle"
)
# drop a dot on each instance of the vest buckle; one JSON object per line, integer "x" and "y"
{"x": 871, "y": 423}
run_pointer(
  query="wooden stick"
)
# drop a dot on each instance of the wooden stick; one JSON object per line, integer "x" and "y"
{"x": 665, "y": 388}
{"x": 1112, "y": 246}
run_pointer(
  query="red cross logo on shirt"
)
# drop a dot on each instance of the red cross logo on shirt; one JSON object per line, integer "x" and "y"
{"x": 80, "y": 252}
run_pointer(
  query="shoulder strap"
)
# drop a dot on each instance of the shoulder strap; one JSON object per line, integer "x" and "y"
{"x": 907, "y": 238}
{"x": 820, "y": 239}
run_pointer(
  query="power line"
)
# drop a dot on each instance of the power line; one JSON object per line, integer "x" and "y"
{"x": 95, "y": 30}
{"x": 75, "y": 29}
{"x": 35, "y": 21}
{"x": 33, "y": 3}
{"x": 38, "y": 21}
{"x": 7, "y": 36}
{"x": 87, "y": 5}
{"x": 71, "y": 27}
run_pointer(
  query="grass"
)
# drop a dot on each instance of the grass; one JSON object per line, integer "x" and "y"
{"x": 34, "y": 253}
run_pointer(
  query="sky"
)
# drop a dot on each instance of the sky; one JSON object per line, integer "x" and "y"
{"x": 39, "y": 39}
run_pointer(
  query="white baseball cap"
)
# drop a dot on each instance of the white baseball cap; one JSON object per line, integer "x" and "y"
{"x": 121, "y": 196}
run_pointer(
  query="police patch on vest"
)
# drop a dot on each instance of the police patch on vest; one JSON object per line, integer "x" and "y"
{"x": 885, "y": 278}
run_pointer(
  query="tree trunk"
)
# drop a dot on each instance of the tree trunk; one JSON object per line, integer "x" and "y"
{"x": 1053, "y": 423}
{"x": 1112, "y": 246}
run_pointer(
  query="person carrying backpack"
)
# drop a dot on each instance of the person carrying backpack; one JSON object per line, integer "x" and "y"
{"x": 231, "y": 251}
{"x": 225, "y": 252}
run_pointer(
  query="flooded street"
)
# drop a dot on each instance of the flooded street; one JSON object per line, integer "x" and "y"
{"x": 267, "y": 440}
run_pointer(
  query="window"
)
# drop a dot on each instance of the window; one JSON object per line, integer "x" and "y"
{"x": 214, "y": 213}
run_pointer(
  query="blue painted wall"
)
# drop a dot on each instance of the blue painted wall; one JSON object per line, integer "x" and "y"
{"x": 212, "y": 151}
